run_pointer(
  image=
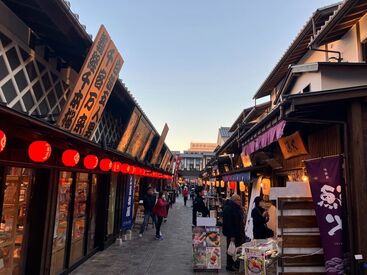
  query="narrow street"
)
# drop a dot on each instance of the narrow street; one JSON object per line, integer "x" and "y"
{"x": 146, "y": 255}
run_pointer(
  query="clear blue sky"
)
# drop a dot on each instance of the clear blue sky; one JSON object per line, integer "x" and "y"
{"x": 196, "y": 64}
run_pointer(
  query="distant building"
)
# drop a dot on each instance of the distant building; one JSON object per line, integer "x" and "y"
{"x": 202, "y": 147}
{"x": 194, "y": 159}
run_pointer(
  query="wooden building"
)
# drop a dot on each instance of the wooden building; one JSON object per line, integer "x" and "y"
{"x": 55, "y": 215}
{"x": 318, "y": 92}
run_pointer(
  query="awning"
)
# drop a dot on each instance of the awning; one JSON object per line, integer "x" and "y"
{"x": 265, "y": 139}
{"x": 238, "y": 177}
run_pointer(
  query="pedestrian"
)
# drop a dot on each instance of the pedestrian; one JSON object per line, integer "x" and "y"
{"x": 233, "y": 227}
{"x": 160, "y": 210}
{"x": 192, "y": 193}
{"x": 199, "y": 205}
{"x": 148, "y": 202}
{"x": 260, "y": 217}
{"x": 185, "y": 194}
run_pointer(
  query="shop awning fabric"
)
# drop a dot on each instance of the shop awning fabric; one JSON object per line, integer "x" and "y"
{"x": 265, "y": 139}
{"x": 238, "y": 177}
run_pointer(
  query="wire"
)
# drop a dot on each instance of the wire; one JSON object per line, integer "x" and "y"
{"x": 301, "y": 256}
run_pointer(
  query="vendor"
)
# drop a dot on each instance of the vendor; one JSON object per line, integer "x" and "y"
{"x": 199, "y": 205}
{"x": 260, "y": 217}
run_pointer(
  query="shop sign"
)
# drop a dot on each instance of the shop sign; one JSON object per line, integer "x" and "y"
{"x": 292, "y": 146}
{"x": 96, "y": 79}
{"x": 127, "y": 210}
{"x": 206, "y": 247}
{"x": 159, "y": 145}
{"x": 254, "y": 261}
{"x": 326, "y": 188}
{"x": 246, "y": 160}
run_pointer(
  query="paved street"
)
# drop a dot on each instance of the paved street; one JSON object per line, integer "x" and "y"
{"x": 173, "y": 255}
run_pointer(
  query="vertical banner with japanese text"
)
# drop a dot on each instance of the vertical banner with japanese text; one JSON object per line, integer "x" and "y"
{"x": 127, "y": 209}
{"x": 96, "y": 79}
{"x": 326, "y": 187}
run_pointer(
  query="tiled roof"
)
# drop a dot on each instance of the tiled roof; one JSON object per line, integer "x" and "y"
{"x": 224, "y": 132}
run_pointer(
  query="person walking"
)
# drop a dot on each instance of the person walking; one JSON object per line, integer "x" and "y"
{"x": 259, "y": 219}
{"x": 185, "y": 194}
{"x": 148, "y": 202}
{"x": 233, "y": 227}
{"x": 160, "y": 210}
{"x": 199, "y": 205}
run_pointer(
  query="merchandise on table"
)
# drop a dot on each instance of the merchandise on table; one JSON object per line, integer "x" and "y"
{"x": 259, "y": 254}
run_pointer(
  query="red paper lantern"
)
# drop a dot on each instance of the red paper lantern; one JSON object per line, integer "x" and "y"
{"x": 39, "y": 151}
{"x": 2, "y": 141}
{"x": 116, "y": 166}
{"x": 125, "y": 168}
{"x": 90, "y": 162}
{"x": 70, "y": 158}
{"x": 232, "y": 185}
{"x": 132, "y": 170}
{"x": 105, "y": 165}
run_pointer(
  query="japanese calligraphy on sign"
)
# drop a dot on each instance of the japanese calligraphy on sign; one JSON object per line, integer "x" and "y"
{"x": 326, "y": 188}
{"x": 127, "y": 211}
{"x": 86, "y": 103}
{"x": 292, "y": 146}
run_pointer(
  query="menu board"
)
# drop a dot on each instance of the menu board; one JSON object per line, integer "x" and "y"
{"x": 254, "y": 262}
{"x": 206, "y": 247}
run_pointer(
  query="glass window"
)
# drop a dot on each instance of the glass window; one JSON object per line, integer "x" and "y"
{"x": 92, "y": 215}
{"x": 111, "y": 204}
{"x": 79, "y": 219}
{"x": 61, "y": 223}
{"x": 13, "y": 219}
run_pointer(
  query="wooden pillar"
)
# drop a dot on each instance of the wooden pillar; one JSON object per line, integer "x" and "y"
{"x": 102, "y": 210}
{"x": 357, "y": 185}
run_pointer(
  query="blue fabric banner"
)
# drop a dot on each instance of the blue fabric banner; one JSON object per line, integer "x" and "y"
{"x": 127, "y": 210}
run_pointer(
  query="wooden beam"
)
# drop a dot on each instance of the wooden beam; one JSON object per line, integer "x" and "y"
{"x": 357, "y": 185}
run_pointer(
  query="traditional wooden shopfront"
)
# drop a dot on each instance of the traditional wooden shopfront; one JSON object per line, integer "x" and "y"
{"x": 59, "y": 215}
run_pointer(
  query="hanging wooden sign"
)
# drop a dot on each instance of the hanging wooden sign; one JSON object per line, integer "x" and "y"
{"x": 96, "y": 79}
{"x": 292, "y": 146}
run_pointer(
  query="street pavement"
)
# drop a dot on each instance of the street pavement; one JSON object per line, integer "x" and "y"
{"x": 145, "y": 255}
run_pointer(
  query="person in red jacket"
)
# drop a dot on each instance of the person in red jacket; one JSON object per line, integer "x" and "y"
{"x": 185, "y": 194}
{"x": 160, "y": 210}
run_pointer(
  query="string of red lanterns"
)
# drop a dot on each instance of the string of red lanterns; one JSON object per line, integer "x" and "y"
{"x": 40, "y": 151}
{"x": 2, "y": 141}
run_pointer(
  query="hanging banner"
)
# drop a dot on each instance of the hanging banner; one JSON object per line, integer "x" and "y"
{"x": 127, "y": 210}
{"x": 326, "y": 188}
{"x": 292, "y": 146}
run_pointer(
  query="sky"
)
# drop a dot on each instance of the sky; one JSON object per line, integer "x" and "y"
{"x": 196, "y": 64}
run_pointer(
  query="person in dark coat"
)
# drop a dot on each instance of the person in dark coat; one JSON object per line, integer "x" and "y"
{"x": 259, "y": 219}
{"x": 199, "y": 205}
{"x": 148, "y": 202}
{"x": 233, "y": 227}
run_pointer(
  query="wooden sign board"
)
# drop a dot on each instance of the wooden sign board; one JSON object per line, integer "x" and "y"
{"x": 160, "y": 144}
{"x": 292, "y": 146}
{"x": 96, "y": 79}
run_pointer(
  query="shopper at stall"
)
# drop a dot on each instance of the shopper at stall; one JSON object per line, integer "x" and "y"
{"x": 199, "y": 205}
{"x": 185, "y": 194}
{"x": 233, "y": 227}
{"x": 259, "y": 219}
{"x": 148, "y": 202}
{"x": 160, "y": 210}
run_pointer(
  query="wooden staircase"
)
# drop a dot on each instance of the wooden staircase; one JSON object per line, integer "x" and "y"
{"x": 298, "y": 227}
